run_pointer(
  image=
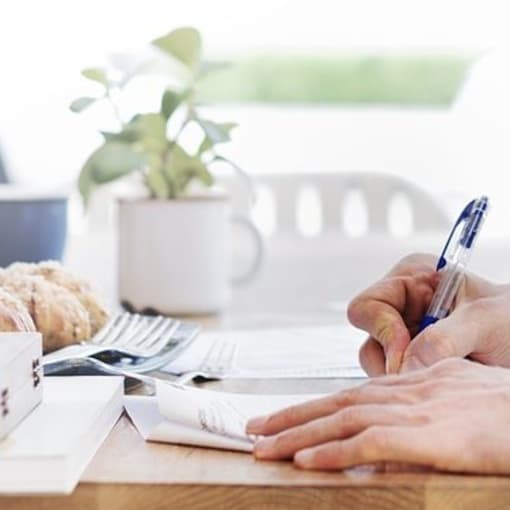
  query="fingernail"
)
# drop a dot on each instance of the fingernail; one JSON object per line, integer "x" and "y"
{"x": 256, "y": 425}
{"x": 392, "y": 362}
{"x": 412, "y": 363}
{"x": 304, "y": 458}
{"x": 262, "y": 448}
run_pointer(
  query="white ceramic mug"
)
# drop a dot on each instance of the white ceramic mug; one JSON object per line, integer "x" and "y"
{"x": 175, "y": 255}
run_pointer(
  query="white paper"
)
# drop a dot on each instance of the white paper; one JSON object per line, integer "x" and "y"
{"x": 327, "y": 351}
{"x": 144, "y": 413}
{"x": 184, "y": 415}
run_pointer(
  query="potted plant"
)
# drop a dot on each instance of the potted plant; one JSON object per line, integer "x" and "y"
{"x": 174, "y": 241}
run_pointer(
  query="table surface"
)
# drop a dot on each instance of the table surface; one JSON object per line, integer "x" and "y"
{"x": 129, "y": 473}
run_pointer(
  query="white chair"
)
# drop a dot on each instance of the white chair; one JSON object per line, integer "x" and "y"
{"x": 332, "y": 259}
{"x": 377, "y": 192}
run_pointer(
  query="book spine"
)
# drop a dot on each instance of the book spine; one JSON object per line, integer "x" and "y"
{"x": 15, "y": 406}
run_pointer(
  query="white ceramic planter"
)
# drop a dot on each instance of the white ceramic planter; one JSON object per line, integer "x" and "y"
{"x": 175, "y": 255}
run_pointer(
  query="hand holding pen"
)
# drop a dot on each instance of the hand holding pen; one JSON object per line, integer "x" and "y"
{"x": 454, "y": 258}
{"x": 392, "y": 311}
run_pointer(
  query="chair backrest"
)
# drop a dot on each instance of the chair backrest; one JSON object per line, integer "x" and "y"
{"x": 377, "y": 193}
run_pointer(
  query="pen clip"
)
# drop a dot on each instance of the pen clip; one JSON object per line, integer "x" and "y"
{"x": 464, "y": 215}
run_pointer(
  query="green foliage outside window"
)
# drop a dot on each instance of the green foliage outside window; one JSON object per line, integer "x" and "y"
{"x": 339, "y": 79}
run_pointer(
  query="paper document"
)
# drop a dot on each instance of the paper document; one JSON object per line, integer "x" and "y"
{"x": 327, "y": 351}
{"x": 192, "y": 416}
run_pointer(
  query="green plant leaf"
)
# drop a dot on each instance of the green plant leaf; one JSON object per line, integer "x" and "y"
{"x": 149, "y": 130}
{"x": 214, "y": 133}
{"x": 126, "y": 135}
{"x": 217, "y": 132}
{"x": 82, "y": 103}
{"x": 228, "y": 126}
{"x": 181, "y": 168}
{"x": 170, "y": 102}
{"x": 177, "y": 163}
{"x": 157, "y": 183}
{"x": 107, "y": 163}
{"x": 202, "y": 173}
{"x": 86, "y": 182}
{"x": 184, "y": 44}
{"x": 96, "y": 74}
{"x": 206, "y": 145}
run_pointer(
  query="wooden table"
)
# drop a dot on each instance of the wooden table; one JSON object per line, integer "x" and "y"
{"x": 128, "y": 473}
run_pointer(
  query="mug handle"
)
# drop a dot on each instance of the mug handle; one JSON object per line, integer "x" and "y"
{"x": 258, "y": 243}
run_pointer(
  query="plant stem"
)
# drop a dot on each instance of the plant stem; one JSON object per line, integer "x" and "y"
{"x": 116, "y": 111}
{"x": 181, "y": 129}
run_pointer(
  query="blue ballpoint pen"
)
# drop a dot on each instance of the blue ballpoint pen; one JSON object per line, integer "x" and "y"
{"x": 454, "y": 258}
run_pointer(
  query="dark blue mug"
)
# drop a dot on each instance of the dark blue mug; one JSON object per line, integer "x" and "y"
{"x": 33, "y": 225}
{"x": 3, "y": 171}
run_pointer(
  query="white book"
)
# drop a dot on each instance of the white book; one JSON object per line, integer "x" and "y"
{"x": 193, "y": 416}
{"x": 311, "y": 352}
{"x": 50, "y": 449}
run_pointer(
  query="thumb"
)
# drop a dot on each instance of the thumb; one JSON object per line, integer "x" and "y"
{"x": 455, "y": 336}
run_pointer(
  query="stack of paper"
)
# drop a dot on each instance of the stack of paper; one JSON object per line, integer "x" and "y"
{"x": 191, "y": 416}
{"x": 319, "y": 352}
{"x": 52, "y": 446}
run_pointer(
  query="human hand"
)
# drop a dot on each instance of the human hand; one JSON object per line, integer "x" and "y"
{"x": 391, "y": 311}
{"x": 452, "y": 416}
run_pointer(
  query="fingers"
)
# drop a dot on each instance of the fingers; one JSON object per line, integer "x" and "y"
{"x": 414, "y": 263}
{"x": 381, "y": 318}
{"x": 458, "y": 335}
{"x": 295, "y": 415}
{"x": 406, "y": 388}
{"x": 301, "y": 413}
{"x": 371, "y": 358}
{"x": 375, "y": 392}
{"x": 342, "y": 424}
{"x": 390, "y": 309}
{"x": 379, "y": 443}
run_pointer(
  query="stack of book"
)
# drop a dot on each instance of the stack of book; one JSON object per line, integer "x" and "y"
{"x": 49, "y": 437}
{"x": 20, "y": 378}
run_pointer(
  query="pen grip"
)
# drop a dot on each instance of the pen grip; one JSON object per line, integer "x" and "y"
{"x": 427, "y": 321}
{"x": 444, "y": 297}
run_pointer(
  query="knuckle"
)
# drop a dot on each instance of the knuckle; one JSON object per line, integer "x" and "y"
{"x": 346, "y": 398}
{"x": 320, "y": 458}
{"x": 411, "y": 260}
{"x": 423, "y": 414}
{"x": 342, "y": 399}
{"x": 450, "y": 364}
{"x": 282, "y": 418}
{"x": 429, "y": 388}
{"x": 273, "y": 420}
{"x": 375, "y": 440}
{"x": 348, "y": 417}
{"x": 431, "y": 336}
{"x": 481, "y": 306}
{"x": 441, "y": 343}
{"x": 364, "y": 356}
{"x": 383, "y": 332}
{"x": 290, "y": 414}
{"x": 281, "y": 442}
{"x": 355, "y": 309}
{"x": 378, "y": 438}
